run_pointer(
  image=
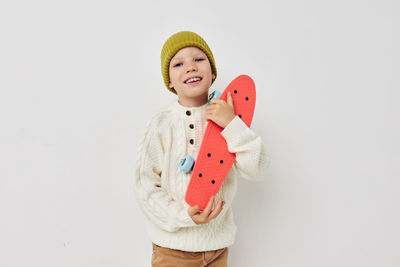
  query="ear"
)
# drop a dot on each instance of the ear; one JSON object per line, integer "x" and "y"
{"x": 170, "y": 85}
{"x": 213, "y": 76}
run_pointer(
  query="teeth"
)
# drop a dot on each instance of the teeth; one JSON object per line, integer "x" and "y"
{"x": 193, "y": 80}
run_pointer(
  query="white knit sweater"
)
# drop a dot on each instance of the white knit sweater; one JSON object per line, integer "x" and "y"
{"x": 161, "y": 186}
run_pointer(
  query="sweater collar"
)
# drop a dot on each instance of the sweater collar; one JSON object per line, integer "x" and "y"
{"x": 180, "y": 107}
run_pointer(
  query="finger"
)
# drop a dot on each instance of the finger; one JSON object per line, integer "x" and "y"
{"x": 216, "y": 100}
{"x": 207, "y": 210}
{"x": 210, "y": 108}
{"x": 230, "y": 100}
{"x": 217, "y": 210}
{"x": 193, "y": 210}
{"x": 209, "y": 114}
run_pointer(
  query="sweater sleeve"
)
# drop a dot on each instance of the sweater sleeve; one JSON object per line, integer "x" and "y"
{"x": 158, "y": 206}
{"x": 252, "y": 159}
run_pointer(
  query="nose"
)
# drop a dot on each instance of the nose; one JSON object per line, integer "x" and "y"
{"x": 191, "y": 67}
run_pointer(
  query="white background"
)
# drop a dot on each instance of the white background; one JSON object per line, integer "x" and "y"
{"x": 80, "y": 79}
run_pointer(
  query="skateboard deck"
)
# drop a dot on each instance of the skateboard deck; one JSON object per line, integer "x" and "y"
{"x": 214, "y": 159}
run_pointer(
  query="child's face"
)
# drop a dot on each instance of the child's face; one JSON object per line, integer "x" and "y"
{"x": 186, "y": 63}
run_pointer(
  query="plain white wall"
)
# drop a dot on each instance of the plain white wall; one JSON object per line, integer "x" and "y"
{"x": 80, "y": 79}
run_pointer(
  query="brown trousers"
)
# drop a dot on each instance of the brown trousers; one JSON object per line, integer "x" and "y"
{"x": 166, "y": 257}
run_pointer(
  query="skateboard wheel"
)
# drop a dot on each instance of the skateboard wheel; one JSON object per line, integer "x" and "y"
{"x": 187, "y": 164}
{"x": 215, "y": 94}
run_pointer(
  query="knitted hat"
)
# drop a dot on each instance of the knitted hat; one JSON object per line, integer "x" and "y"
{"x": 178, "y": 41}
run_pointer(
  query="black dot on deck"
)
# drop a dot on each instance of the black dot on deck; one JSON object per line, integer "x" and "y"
{"x": 240, "y": 116}
{"x": 247, "y": 98}
{"x": 235, "y": 92}
{"x": 200, "y": 175}
{"x": 221, "y": 161}
{"x": 209, "y": 155}
{"x": 213, "y": 181}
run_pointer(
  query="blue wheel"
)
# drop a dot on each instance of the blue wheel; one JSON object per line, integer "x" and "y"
{"x": 215, "y": 94}
{"x": 187, "y": 164}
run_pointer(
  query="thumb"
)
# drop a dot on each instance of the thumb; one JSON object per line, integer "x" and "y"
{"x": 230, "y": 100}
{"x": 193, "y": 210}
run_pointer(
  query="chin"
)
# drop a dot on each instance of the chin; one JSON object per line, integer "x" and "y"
{"x": 196, "y": 90}
{"x": 201, "y": 92}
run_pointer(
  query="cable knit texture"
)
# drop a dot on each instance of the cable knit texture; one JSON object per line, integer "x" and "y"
{"x": 161, "y": 186}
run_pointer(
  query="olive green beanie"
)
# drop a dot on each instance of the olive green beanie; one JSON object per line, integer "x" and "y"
{"x": 178, "y": 41}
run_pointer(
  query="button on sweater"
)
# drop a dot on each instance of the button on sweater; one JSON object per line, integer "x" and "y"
{"x": 161, "y": 186}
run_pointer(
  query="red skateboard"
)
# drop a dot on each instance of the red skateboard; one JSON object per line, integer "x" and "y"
{"x": 214, "y": 160}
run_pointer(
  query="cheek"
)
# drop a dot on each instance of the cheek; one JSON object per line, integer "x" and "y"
{"x": 172, "y": 75}
{"x": 207, "y": 69}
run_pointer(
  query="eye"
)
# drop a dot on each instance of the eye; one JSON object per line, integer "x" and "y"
{"x": 199, "y": 59}
{"x": 177, "y": 64}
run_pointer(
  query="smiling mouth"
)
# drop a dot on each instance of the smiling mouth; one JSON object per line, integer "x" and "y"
{"x": 193, "y": 80}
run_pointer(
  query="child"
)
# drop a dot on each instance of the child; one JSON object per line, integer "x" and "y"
{"x": 184, "y": 235}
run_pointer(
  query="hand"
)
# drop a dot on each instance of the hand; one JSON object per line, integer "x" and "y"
{"x": 205, "y": 216}
{"x": 221, "y": 112}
